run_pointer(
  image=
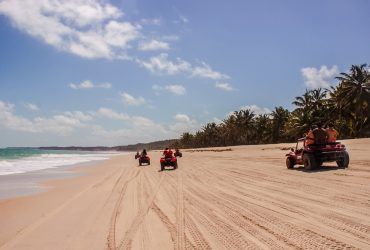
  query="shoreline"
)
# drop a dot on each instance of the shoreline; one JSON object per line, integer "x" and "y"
{"x": 32, "y": 182}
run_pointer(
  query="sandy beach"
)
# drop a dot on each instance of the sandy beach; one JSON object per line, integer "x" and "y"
{"x": 243, "y": 198}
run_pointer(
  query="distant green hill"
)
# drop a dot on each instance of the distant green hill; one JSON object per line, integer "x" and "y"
{"x": 132, "y": 147}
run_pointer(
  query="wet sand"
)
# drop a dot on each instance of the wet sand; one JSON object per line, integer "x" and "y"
{"x": 243, "y": 198}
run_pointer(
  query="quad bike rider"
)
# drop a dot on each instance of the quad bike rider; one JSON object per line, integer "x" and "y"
{"x": 168, "y": 159}
{"x": 314, "y": 155}
{"x": 177, "y": 153}
{"x": 144, "y": 158}
{"x": 137, "y": 155}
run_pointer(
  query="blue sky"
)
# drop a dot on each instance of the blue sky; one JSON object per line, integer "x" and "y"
{"x": 91, "y": 72}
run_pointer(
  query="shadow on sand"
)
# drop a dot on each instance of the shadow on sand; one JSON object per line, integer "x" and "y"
{"x": 167, "y": 169}
{"x": 318, "y": 169}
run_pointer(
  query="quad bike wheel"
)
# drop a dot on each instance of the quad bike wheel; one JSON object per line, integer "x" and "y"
{"x": 309, "y": 162}
{"x": 289, "y": 163}
{"x": 344, "y": 162}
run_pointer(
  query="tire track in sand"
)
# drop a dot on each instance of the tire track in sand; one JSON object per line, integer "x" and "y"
{"x": 111, "y": 239}
{"x": 180, "y": 219}
{"x": 125, "y": 243}
{"x": 199, "y": 240}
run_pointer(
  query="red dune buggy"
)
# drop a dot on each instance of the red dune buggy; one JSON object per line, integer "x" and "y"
{"x": 314, "y": 155}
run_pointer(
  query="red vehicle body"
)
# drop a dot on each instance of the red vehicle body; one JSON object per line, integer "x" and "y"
{"x": 314, "y": 155}
{"x": 144, "y": 159}
{"x": 168, "y": 162}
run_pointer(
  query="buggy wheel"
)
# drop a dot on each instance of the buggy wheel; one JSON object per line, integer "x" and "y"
{"x": 148, "y": 162}
{"x": 344, "y": 162}
{"x": 162, "y": 166}
{"x": 289, "y": 163}
{"x": 309, "y": 161}
{"x": 176, "y": 165}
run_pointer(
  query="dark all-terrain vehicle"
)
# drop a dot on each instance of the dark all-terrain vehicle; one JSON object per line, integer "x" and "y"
{"x": 314, "y": 155}
{"x": 144, "y": 159}
{"x": 168, "y": 162}
{"x": 177, "y": 153}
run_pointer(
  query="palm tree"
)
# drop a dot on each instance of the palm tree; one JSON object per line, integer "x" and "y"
{"x": 353, "y": 95}
{"x": 262, "y": 128}
{"x": 279, "y": 117}
{"x": 303, "y": 102}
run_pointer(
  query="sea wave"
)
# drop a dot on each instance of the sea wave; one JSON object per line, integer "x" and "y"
{"x": 46, "y": 161}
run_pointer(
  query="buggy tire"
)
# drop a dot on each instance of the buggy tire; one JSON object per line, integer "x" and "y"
{"x": 344, "y": 162}
{"x": 148, "y": 162}
{"x": 289, "y": 163}
{"x": 309, "y": 161}
{"x": 175, "y": 166}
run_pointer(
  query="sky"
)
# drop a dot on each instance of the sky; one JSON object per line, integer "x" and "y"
{"x": 100, "y": 72}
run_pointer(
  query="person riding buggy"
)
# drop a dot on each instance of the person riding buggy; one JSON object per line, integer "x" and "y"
{"x": 313, "y": 155}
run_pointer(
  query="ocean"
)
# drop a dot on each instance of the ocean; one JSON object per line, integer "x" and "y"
{"x": 23, "y": 160}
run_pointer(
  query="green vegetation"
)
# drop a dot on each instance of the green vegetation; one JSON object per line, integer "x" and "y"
{"x": 346, "y": 105}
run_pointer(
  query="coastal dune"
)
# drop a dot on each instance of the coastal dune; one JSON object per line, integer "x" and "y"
{"x": 230, "y": 198}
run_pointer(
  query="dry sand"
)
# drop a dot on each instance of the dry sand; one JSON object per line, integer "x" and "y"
{"x": 239, "y": 199}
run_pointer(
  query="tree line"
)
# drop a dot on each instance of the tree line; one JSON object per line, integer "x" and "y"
{"x": 346, "y": 105}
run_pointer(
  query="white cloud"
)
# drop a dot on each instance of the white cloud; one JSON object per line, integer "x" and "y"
{"x": 182, "y": 118}
{"x": 224, "y": 86}
{"x": 31, "y": 106}
{"x": 174, "y": 88}
{"x": 154, "y": 21}
{"x": 170, "y": 38}
{"x": 139, "y": 129}
{"x": 256, "y": 109}
{"x": 181, "y": 19}
{"x": 161, "y": 64}
{"x": 60, "y": 124}
{"x": 134, "y": 121}
{"x": 183, "y": 123}
{"x": 153, "y": 45}
{"x": 205, "y": 71}
{"x": 89, "y": 85}
{"x": 184, "y": 19}
{"x": 217, "y": 120}
{"x": 130, "y": 100}
{"x": 319, "y": 78}
{"x": 87, "y": 28}
{"x": 11, "y": 121}
{"x": 108, "y": 113}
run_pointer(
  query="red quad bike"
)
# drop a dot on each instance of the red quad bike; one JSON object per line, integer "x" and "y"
{"x": 144, "y": 159}
{"x": 314, "y": 155}
{"x": 168, "y": 162}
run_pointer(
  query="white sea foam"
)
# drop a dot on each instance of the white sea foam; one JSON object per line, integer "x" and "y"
{"x": 45, "y": 161}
